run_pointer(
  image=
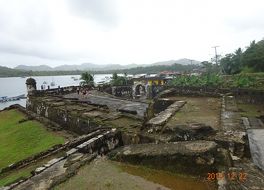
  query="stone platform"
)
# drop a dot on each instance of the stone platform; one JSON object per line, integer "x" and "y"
{"x": 112, "y": 103}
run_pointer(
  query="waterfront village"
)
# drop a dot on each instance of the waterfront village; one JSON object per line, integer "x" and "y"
{"x": 184, "y": 137}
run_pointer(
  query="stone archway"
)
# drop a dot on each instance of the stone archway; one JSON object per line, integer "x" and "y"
{"x": 139, "y": 91}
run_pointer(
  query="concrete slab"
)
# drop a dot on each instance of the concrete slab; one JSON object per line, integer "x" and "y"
{"x": 256, "y": 143}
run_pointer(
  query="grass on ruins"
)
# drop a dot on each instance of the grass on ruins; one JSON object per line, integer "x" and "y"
{"x": 21, "y": 140}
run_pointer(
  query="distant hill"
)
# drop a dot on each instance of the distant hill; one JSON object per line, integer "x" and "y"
{"x": 34, "y": 68}
{"x": 179, "y": 61}
{"x": 8, "y": 72}
{"x": 95, "y": 67}
{"x": 76, "y": 70}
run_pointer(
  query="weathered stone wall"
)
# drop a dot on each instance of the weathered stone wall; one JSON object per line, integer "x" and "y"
{"x": 66, "y": 120}
{"x": 55, "y": 91}
{"x": 243, "y": 95}
{"x": 192, "y": 157}
{"x": 122, "y": 91}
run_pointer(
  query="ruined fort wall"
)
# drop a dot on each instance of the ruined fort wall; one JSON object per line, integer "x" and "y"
{"x": 241, "y": 95}
{"x": 67, "y": 120}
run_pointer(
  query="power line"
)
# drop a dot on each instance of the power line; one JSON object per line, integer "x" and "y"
{"x": 216, "y": 56}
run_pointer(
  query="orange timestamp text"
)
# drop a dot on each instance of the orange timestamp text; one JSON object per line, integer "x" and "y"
{"x": 241, "y": 176}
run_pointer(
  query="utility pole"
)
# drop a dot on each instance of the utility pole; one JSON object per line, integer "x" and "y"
{"x": 216, "y": 56}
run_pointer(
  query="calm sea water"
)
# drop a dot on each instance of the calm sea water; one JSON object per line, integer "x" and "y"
{"x": 15, "y": 86}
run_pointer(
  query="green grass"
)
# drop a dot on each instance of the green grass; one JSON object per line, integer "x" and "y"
{"x": 21, "y": 140}
{"x": 250, "y": 110}
{"x": 15, "y": 176}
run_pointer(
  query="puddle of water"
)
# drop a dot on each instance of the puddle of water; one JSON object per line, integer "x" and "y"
{"x": 102, "y": 173}
{"x": 168, "y": 179}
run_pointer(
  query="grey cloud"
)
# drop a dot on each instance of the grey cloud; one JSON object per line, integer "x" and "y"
{"x": 103, "y": 11}
{"x": 31, "y": 21}
{"x": 27, "y": 30}
{"x": 252, "y": 21}
{"x": 39, "y": 50}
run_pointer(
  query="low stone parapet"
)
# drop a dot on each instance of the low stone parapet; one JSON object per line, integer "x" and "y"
{"x": 190, "y": 157}
{"x": 164, "y": 116}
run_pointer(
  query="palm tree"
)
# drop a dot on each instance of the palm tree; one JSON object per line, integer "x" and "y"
{"x": 88, "y": 79}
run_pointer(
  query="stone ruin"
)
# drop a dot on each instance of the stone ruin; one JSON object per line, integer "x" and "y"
{"x": 145, "y": 134}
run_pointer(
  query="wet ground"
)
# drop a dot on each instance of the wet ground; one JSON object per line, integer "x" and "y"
{"x": 251, "y": 110}
{"x": 104, "y": 174}
{"x": 197, "y": 110}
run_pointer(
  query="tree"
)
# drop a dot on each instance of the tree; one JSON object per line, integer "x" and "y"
{"x": 210, "y": 68}
{"x": 232, "y": 63}
{"x": 253, "y": 57}
{"x": 88, "y": 79}
{"x": 115, "y": 76}
{"x": 118, "y": 80}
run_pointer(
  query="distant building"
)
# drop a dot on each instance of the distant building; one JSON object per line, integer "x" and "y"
{"x": 142, "y": 86}
{"x": 152, "y": 80}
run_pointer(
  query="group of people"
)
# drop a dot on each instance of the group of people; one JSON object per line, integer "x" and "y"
{"x": 43, "y": 87}
{"x": 83, "y": 91}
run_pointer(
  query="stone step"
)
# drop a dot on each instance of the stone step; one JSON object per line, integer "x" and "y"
{"x": 163, "y": 116}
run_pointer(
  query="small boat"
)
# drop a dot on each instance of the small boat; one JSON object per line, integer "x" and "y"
{"x": 52, "y": 83}
{"x": 3, "y": 99}
{"x": 75, "y": 78}
{"x": 14, "y": 98}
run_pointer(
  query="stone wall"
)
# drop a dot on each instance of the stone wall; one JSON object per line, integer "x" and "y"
{"x": 189, "y": 157}
{"x": 242, "y": 95}
{"x": 122, "y": 91}
{"x": 66, "y": 120}
{"x": 55, "y": 91}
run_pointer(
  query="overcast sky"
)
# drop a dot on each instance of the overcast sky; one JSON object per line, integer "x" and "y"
{"x": 56, "y": 32}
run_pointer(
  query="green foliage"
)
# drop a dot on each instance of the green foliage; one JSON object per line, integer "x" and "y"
{"x": 231, "y": 63}
{"x": 251, "y": 60}
{"x": 210, "y": 68}
{"x": 253, "y": 57}
{"x": 87, "y": 78}
{"x": 251, "y": 80}
{"x": 212, "y": 80}
{"x": 118, "y": 80}
{"x": 115, "y": 76}
{"x": 243, "y": 81}
{"x": 21, "y": 140}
